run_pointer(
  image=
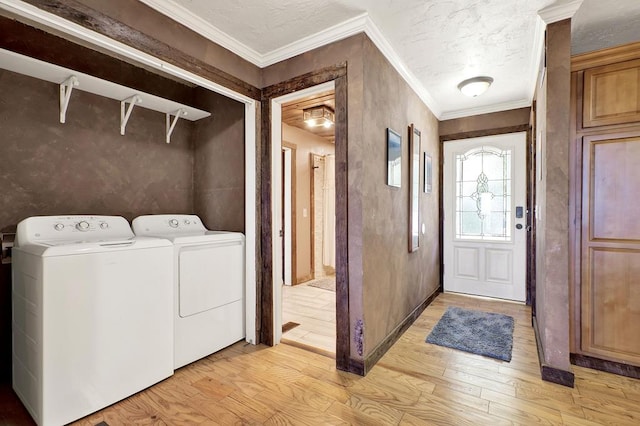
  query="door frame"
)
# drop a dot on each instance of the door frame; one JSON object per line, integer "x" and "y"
{"x": 514, "y": 287}
{"x": 277, "y": 185}
{"x": 530, "y": 185}
{"x": 337, "y": 74}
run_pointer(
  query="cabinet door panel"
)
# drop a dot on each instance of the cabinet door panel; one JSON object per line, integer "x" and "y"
{"x": 612, "y": 94}
{"x": 610, "y": 289}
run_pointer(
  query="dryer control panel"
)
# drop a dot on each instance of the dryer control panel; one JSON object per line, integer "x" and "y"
{"x": 167, "y": 224}
{"x": 72, "y": 228}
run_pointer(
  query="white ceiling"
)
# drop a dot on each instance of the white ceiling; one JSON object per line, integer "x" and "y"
{"x": 434, "y": 44}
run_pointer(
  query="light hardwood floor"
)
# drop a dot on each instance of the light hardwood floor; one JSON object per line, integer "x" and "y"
{"x": 315, "y": 310}
{"x": 415, "y": 383}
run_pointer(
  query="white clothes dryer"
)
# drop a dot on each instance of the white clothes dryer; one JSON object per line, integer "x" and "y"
{"x": 209, "y": 301}
{"x": 92, "y": 314}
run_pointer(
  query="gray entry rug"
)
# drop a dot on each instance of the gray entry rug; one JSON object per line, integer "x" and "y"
{"x": 326, "y": 283}
{"x": 481, "y": 333}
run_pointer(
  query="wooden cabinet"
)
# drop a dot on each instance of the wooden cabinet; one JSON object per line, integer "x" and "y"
{"x": 612, "y": 94}
{"x": 605, "y": 179}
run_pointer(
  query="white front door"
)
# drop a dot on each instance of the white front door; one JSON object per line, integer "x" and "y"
{"x": 485, "y": 216}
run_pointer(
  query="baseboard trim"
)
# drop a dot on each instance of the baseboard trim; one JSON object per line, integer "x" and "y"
{"x": 548, "y": 373}
{"x": 614, "y": 367}
{"x": 375, "y": 355}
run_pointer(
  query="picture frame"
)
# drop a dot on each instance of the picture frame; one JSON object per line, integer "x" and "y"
{"x": 414, "y": 188}
{"x": 394, "y": 158}
{"x": 428, "y": 174}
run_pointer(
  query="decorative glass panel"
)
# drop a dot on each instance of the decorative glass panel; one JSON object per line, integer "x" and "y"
{"x": 483, "y": 194}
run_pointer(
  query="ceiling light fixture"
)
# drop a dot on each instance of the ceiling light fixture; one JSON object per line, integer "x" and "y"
{"x": 475, "y": 86}
{"x": 317, "y": 116}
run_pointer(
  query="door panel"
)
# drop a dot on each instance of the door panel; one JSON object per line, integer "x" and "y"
{"x": 610, "y": 317}
{"x": 484, "y": 182}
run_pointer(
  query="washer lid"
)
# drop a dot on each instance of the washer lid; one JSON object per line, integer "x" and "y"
{"x": 68, "y": 248}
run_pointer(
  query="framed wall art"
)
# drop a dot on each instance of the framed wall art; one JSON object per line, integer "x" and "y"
{"x": 414, "y": 188}
{"x": 428, "y": 174}
{"x": 394, "y": 158}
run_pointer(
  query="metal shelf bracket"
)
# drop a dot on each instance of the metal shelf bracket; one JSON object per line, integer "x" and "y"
{"x": 66, "y": 87}
{"x": 171, "y": 124}
{"x": 125, "y": 112}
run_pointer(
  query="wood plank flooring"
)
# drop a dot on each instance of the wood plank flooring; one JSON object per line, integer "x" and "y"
{"x": 315, "y": 310}
{"x": 415, "y": 383}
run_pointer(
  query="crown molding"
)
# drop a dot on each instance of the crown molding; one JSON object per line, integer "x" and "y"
{"x": 195, "y": 23}
{"x": 559, "y": 12}
{"x": 504, "y": 106}
{"x": 338, "y": 32}
{"x": 355, "y": 25}
{"x": 535, "y": 62}
{"x": 374, "y": 33}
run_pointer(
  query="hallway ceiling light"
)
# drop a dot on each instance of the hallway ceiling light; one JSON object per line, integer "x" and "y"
{"x": 475, "y": 86}
{"x": 317, "y": 116}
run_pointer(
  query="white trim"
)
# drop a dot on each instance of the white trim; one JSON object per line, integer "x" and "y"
{"x": 251, "y": 165}
{"x": 558, "y": 12}
{"x": 535, "y": 62}
{"x": 338, "y": 32}
{"x": 287, "y": 195}
{"x": 385, "y": 47}
{"x": 192, "y": 21}
{"x": 57, "y": 23}
{"x": 348, "y": 28}
{"x": 504, "y": 106}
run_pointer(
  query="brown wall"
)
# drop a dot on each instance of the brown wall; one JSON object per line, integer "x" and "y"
{"x": 218, "y": 175}
{"x": 483, "y": 124}
{"x": 85, "y": 166}
{"x": 394, "y": 281}
{"x": 552, "y": 218}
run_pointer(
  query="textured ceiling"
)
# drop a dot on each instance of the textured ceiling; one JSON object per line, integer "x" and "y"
{"x": 439, "y": 42}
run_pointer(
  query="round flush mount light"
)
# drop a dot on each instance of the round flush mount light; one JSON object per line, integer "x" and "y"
{"x": 475, "y": 86}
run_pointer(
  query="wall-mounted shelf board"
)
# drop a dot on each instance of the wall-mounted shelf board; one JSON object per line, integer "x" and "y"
{"x": 56, "y": 74}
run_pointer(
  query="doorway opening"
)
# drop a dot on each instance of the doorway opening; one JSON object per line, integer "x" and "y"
{"x": 307, "y": 310}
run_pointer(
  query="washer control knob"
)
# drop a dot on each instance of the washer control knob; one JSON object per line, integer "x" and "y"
{"x": 83, "y": 226}
{"x": 173, "y": 223}
{"x": 104, "y": 225}
{"x": 58, "y": 227}
{"x": 187, "y": 222}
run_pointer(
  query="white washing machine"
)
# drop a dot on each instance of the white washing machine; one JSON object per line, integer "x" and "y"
{"x": 209, "y": 305}
{"x": 92, "y": 314}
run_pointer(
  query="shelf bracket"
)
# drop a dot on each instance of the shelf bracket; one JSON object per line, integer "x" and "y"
{"x": 125, "y": 112}
{"x": 65, "y": 94}
{"x": 171, "y": 124}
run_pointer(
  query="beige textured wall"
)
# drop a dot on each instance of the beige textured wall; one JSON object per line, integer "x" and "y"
{"x": 552, "y": 281}
{"x": 394, "y": 280}
{"x": 305, "y": 144}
